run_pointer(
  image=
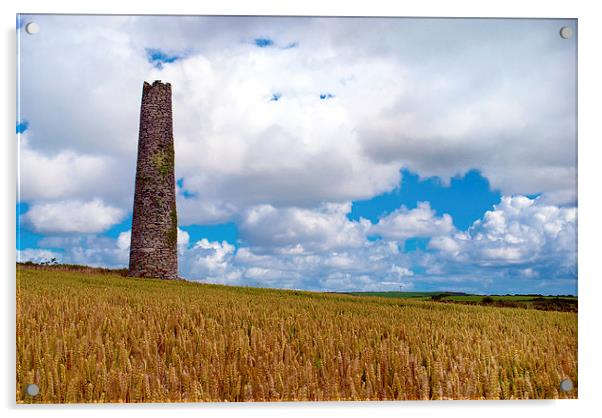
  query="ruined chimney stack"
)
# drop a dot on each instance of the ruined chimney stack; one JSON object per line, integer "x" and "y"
{"x": 153, "y": 249}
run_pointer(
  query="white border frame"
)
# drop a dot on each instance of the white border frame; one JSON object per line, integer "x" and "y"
{"x": 590, "y": 209}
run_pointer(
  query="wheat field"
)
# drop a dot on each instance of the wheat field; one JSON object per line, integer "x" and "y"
{"x": 105, "y": 338}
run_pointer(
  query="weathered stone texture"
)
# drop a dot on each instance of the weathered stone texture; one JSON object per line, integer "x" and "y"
{"x": 153, "y": 250}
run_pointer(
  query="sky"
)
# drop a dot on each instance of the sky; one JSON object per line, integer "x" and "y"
{"x": 311, "y": 153}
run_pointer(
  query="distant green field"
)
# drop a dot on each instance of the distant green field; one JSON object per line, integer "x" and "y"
{"x": 402, "y": 295}
{"x": 456, "y": 296}
{"x": 513, "y": 298}
{"x": 554, "y": 303}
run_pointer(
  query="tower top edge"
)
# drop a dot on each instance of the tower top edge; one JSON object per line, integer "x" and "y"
{"x": 156, "y": 83}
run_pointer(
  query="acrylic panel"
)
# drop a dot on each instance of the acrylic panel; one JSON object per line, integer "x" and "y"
{"x": 254, "y": 208}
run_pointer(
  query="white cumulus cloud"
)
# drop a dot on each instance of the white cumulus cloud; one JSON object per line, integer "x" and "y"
{"x": 65, "y": 174}
{"x": 520, "y": 245}
{"x": 72, "y": 216}
{"x": 319, "y": 229}
{"x": 211, "y": 261}
{"x": 390, "y": 106}
{"x": 518, "y": 231}
{"x": 37, "y": 255}
{"x": 406, "y": 223}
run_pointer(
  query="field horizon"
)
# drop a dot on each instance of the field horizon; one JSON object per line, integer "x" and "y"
{"x": 386, "y": 293}
{"x": 90, "y": 337}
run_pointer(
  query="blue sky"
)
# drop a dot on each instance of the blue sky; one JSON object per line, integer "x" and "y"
{"x": 451, "y": 199}
{"x": 466, "y": 198}
{"x": 159, "y": 58}
{"x": 312, "y": 153}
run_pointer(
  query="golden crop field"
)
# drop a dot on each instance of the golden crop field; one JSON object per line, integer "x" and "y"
{"x": 106, "y": 338}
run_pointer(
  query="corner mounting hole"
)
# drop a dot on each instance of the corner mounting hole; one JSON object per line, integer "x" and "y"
{"x": 566, "y": 32}
{"x": 32, "y": 28}
{"x": 566, "y": 385}
{"x": 32, "y": 389}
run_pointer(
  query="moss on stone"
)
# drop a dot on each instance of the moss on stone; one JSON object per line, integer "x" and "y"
{"x": 162, "y": 162}
{"x": 172, "y": 235}
{"x": 171, "y": 158}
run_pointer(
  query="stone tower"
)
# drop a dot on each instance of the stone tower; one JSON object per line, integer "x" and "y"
{"x": 153, "y": 250}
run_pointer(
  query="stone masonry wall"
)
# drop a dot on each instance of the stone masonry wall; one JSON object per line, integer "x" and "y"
{"x": 153, "y": 250}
